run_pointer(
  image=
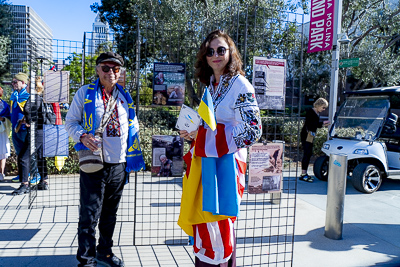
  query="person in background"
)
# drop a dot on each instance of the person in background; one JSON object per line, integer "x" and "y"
{"x": 101, "y": 191}
{"x": 219, "y": 67}
{"x": 34, "y": 112}
{"x": 308, "y": 132}
{"x": 5, "y": 123}
{"x": 20, "y": 134}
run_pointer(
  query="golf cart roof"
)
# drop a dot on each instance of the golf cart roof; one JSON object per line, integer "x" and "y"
{"x": 394, "y": 90}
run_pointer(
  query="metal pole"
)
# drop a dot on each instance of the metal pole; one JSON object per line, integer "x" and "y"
{"x": 83, "y": 59}
{"x": 336, "y": 192}
{"x": 337, "y": 28}
{"x": 137, "y": 114}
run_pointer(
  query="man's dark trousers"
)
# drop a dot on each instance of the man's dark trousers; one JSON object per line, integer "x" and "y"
{"x": 100, "y": 194}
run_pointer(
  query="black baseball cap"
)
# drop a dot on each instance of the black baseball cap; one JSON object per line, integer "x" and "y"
{"x": 110, "y": 57}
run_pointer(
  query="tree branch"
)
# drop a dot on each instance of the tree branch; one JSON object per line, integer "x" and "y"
{"x": 345, "y": 8}
{"x": 391, "y": 43}
{"x": 359, "y": 39}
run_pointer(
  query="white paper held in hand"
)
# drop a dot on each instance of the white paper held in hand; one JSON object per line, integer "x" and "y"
{"x": 188, "y": 119}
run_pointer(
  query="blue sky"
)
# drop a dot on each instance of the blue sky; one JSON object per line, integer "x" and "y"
{"x": 68, "y": 19}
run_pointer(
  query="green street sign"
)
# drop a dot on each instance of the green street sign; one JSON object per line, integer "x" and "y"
{"x": 349, "y": 62}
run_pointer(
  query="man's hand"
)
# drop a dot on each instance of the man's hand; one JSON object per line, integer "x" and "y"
{"x": 89, "y": 141}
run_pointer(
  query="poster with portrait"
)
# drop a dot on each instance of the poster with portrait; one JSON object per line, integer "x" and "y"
{"x": 269, "y": 82}
{"x": 169, "y": 84}
{"x": 167, "y": 156}
{"x": 265, "y": 168}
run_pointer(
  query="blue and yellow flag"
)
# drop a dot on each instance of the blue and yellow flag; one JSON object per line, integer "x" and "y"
{"x": 206, "y": 110}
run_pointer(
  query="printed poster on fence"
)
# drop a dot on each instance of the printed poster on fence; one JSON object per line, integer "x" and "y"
{"x": 56, "y": 87}
{"x": 167, "y": 156}
{"x": 265, "y": 168}
{"x": 55, "y": 141}
{"x": 269, "y": 82}
{"x": 169, "y": 84}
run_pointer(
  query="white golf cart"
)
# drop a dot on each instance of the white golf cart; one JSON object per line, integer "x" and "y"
{"x": 365, "y": 129}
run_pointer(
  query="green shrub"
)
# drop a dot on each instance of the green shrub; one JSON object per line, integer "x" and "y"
{"x": 319, "y": 140}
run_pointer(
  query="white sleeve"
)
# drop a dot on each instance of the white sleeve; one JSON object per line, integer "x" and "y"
{"x": 73, "y": 120}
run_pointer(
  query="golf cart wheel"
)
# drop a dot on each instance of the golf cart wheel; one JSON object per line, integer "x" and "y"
{"x": 366, "y": 178}
{"x": 321, "y": 166}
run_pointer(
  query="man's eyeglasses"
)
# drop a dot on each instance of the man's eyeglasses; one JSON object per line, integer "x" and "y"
{"x": 220, "y": 51}
{"x": 106, "y": 69}
{"x": 14, "y": 82}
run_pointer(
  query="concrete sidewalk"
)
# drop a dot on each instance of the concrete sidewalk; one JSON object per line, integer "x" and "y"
{"x": 371, "y": 228}
{"x": 371, "y": 234}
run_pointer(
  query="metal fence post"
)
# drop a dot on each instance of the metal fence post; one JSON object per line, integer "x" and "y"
{"x": 83, "y": 59}
{"x": 137, "y": 114}
{"x": 337, "y": 175}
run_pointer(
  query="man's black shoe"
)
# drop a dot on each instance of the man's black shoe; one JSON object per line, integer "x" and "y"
{"x": 22, "y": 189}
{"x": 43, "y": 186}
{"x": 86, "y": 262}
{"x": 110, "y": 260}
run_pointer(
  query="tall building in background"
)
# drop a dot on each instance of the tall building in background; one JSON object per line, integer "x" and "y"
{"x": 99, "y": 35}
{"x": 32, "y": 38}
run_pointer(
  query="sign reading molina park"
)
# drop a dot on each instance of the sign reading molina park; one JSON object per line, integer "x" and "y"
{"x": 321, "y": 25}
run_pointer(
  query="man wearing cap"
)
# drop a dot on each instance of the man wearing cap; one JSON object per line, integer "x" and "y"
{"x": 20, "y": 135}
{"x": 101, "y": 191}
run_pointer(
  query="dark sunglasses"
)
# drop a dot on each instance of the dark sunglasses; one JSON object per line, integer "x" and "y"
{"x": 14, "y": 82}
{"x": 220, "y": 51}
{"x": 106, "y": 69}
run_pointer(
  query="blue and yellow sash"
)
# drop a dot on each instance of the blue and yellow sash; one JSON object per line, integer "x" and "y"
{"x": 134, "y": 155}
{"x": 18, "y": 101}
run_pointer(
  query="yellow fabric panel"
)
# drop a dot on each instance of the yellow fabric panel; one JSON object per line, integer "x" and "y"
{"x": 191, "y": 212}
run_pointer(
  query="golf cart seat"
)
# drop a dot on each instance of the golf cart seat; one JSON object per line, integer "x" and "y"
{"x": 390, "y": 129}
{"x": 393, "y": 147}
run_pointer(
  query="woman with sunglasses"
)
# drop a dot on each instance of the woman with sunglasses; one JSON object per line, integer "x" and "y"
{"x": 219, "y": 67}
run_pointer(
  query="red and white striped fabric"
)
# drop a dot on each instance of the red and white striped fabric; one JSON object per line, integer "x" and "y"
{"x": 213, "y": 242}
{"x": 241, "y": 157}
{"x": 216, "y": 143}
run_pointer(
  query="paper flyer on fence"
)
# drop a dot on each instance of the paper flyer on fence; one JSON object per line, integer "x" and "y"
{"x": 265, "y": 168}
{"x": 188, "y": 119}
{"x": 269, "y": 82}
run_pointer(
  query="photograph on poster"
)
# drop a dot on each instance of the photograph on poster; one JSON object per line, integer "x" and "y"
{"x": 167, "y": 156}
{"x": 269, "y": 82}
{"x": 169, "y": 84}
{"x": 265, "y": 168}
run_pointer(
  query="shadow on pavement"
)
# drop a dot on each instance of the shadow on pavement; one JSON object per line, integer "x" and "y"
{"x": 355, "y": 238}
{"x": 17, "y": 234}
{"x": 39, "y": 261}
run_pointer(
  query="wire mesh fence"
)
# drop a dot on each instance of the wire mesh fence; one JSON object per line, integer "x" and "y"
{"x": 150, "y": 205}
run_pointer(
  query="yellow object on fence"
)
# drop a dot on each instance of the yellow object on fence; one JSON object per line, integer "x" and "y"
{"x": 59, "y": 161}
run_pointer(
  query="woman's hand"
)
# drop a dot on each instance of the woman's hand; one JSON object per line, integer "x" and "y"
{"x": 326, "y": 123}
{"x": 188, "y": 136}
